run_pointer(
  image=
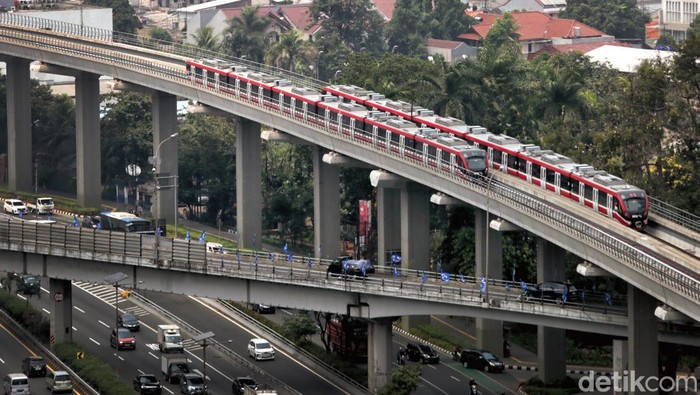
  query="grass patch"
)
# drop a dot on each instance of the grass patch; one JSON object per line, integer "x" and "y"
{"x": 441, "y": 339}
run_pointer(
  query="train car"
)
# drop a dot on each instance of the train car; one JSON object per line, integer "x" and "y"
{"x": 300, "y": 102}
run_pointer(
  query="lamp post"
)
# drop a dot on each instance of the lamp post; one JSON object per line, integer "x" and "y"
{"x": 115, "y": 279}
{"x": 155, "y": 161}
{"x": 488, "y": 230}
{"x": 394, "y": 48}
{"x": 203, "y": 338}
{"x": 318, "y": 58}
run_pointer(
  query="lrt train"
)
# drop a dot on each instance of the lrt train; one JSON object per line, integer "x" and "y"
{"x": 427, "y": 145}
{"x": 595, "y": 189}
{"x": 441, "y": 142}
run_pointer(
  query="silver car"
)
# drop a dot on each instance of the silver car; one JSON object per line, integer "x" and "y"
{"x": 59, "y": 381}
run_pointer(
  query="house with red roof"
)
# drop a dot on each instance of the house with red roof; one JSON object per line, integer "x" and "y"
{"x": 451, "y": 51}
{"x": 540, "y": 33}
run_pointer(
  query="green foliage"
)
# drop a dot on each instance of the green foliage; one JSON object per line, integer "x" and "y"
{"x": 244, "y": 35}
{"x": 292, "y": 53}
{"x": 354, "y": 22}
{"x": 440, "y": 338}
{"x": 161, "y": 34}
{"x": 24, "y": 313}
{"x": 206, "y": 39}
{"x": 96, "y": 372}
{"x": 404, "y": 380}
{"x": 298, "y": 328}
{"x": 123, "y": 14}
{"x": 619, "y": 18}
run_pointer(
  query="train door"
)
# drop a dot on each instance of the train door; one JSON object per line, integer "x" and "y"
{"x": 595, "y": 199}
{"x": 543, "y": 177}
{"x": 612, "y": 207}
{"x": 326, "y": 119}
{"x": 581, "y": 193}
{"x": 489, "y": 153}
{"x": 557, "y": 183}
{"x": 528, "y": 172}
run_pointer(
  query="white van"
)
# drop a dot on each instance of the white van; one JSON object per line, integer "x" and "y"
{"x": 16, "y": 383}
{"x": 215, "y": 248}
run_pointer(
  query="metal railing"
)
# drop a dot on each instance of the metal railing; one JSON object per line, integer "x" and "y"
{"x": 671, "y": 277}
{"x": 674, "y": 214}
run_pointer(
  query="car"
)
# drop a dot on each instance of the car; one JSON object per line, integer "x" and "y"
{"x": 420, "y": 352}
{"x": 129, "y": 321}
{"x": 554, "y": 290}
{"x": 147, "y": 384}
{"x": 192, "y": 384}
{"x": 59, "y": 381}
{"x": 15, "y": 206}
{"x": 34, "y": 366}
{"x": 122, "y": 339}
{"x": 263, "y": 308}
{"x": 28, "y": 285}
{"x": 91, "y": 221}
{"x": 16, "y": 384}
{"x": 481, "y": 360}
{"x": 337, "y": 266}
{"x": 239, "y": 384}
{"x": 360, "y": 266}
{"x": 260, "y": 349}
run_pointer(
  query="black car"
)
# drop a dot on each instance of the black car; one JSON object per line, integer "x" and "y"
{"x": 555, "y": 291}
{"x": 130, "y": 322}
{"x": 420, "y": 352}
{"x": 147, "y": 384}
{"x": 193, "y": 384}
{"x": 91, "y": 221}
{"x": 239, "y": 384}
{"x": 481, "y": 360}
{"x": 337, "y": 267}
{"x": 28, "y": 285}
{"x": 263, "y": 308}
{"x": 34, "y": 366}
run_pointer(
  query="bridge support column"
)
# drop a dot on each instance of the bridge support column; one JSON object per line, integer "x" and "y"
{"x": 489, "y": 263}
{"x": 415, "y": 237}
{"x": 380, "y": 352}
{"x": 88, "y": 158}
{"x": 620, "y": 361}
{"x": 388, "y": 220}
{"x": 62, "y": 310}
{"x": 551, "y": 342}
{"x": 326, "y": 207}
{"x": 248, "y": 184}
{"x": 643, "y": 350}
{"x": 164, "y": 126}
{"x": 19, "y": 125}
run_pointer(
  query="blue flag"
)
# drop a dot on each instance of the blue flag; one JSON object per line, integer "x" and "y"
{"x": 203, "y": 237}
{"x": 345, "y": 265}
{"x": 222, "y": 250}
{"x": 508, "y": 287}
{"x": 482, "y": 287}
{"x": 583, "y": 296}
{"x": 272, "y": 258}
{"x": 284, "y": 248}
{"x": 157, "y": 230}
{"x": 445, "y": 277}
{"x": 21, "y": 213}
{"x": 256, "y": 260}
{"x": 187, "y": 235}
{"x": 395, "y": 259}
{"x": 564, "y": 296}
{"x": 364, "y": 270}
{"x": 608, "y": 299}
{"x": 523, "y": 285}
{"x": 424, "y": 277}
{"x": 99, "y": 225}
{"x": 75, "y": 222}
{"x": 290, "y": 257}
{"x": 396, "y": 271}
{"x": 461, "y": 277}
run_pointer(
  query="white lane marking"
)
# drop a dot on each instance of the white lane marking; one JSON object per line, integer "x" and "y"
{"x": 455, "y": 378}
{"x": 79, "y": 309}
{"x": 21, "y": 297}
{"x": 105, "y": 325}
{"x": 168, "y": 389}
{"x": 2, "y": 360}
{"x": 287, "y": 312}
{"x": 74, "y": 330}
{"x": 46, "y": 311}
{"x": 153, "y": 355}
{"x": 95, "y": 341}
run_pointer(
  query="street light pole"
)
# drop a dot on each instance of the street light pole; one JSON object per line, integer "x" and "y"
{"x": 488, "y": 230}
{"x": 203, "y": 338}
{"x": 156, "y": 170}
{"x": 115, "y": 279}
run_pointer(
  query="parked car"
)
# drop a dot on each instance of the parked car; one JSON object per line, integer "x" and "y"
{"x": 192, "y": 384}
{"x": 15, "y": 206}
{"x": 130, "y": 322}
{"x": 121, "y": 339}
{"x": 420, "y": 352}
{"x": 147, "y": 384}
{"x": 239, "y": 384}
{"x": 34, "y": 366}
{"x": 555, "y": 291}
{"x": 260, "y": 349}
{"x": 337, "y": 266}
{"x": 59, "y": 381}
{"x": 482, "y": 360}
{"x": 263, "y": 308}
{"x": 28, "y": 284}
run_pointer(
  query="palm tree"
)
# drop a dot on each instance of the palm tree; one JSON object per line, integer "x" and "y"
{"x": 455, "y": 92}
{"x": 205, "y": 38}
{"x": 245, "y": 35}
{"x": 290, "y": 52}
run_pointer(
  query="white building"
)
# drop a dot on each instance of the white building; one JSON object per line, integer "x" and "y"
{"x": 676, "y": 16}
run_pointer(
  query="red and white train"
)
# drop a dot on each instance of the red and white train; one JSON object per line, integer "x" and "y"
{"x": 438, "y": 141}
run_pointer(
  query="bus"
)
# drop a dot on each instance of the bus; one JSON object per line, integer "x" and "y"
{"x": 120, "y": 221}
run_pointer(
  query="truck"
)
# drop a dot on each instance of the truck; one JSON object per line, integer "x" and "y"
{"x": 43, "y": 205}
{"x": 347, "y": 337}
{"x": 263, "y": 389}
{"x": 173, "y": 366}
{"x": 169, "y": 339}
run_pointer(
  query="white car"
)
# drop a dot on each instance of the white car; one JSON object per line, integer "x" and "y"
{"x": 15, "y": 206}
{"x": 260, "y": 349}
{"x": 59, "y": 381}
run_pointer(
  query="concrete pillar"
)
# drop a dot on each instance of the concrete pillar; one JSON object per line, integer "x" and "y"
{"x": 380, "y": 353}
{"x": 248, "y": 184}
{"x": 62, "y": 311}
{"x": 415, "y": 237}
{"x": 551, "y": 342}
{"x": 620, "y": 360}
{"x": 489, "y": 263}
{"x": 88, "y": 158}
{"x": 326, "y": 207}
{"x": 164, "y": 126}
{"x": 642, "y": 334}
{"x": 388, "y": 222}
{"x": 19, "y": 125}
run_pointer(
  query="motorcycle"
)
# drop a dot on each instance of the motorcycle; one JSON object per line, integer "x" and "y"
{"x": 457, "y": 354}
{"x": 472, "y": 388}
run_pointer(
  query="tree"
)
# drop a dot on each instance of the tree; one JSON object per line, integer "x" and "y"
{"x": 291, "y": 52}
{"x": 694, "y": 28}
{"x": 299, "y": 327}
{"x": 448, "y": 20}
{"x": 161, "y": 34}
{"x": 124, "y": 17}
{"x": 204, "y": 38}
{"x": 406, "y": 30}
{"x": 355, "y": 21}
{"x": 404, "y": 380}
{"x": 619, "y": 18}
{"x": 244, "y": 35}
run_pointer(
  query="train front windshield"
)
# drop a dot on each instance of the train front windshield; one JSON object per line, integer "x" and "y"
{"x": 476, "y": 161}
{"x": 635, "y": 205}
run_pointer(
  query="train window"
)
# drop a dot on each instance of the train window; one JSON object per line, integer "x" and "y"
{"x": 299, "y": 105}
{"x": 332, "y": 116}
{"x": 536, "y": 169}
{"x": 418, "y": 146}
{"x": 588, "y": 192}
{"x": 574, "y": 186}
{"x": 432, "y": 152}
{"x": 565, "y": 183}
{"x": 346, "y": 121}
{"x": 286, "y": 100}
{"x": 522, "y": 165}
{"x": 243, "y": 85}
{"x": 446, "y": 157}
{"x": 550, "y": 176}
{"x": 395, "y": 137}
{"x": 602, "y": 198}
{"x": 497, "y": 157}
{"x": 512, "y": 162}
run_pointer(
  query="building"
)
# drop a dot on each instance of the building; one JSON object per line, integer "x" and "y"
{"x": 451, "y": 51}
{"x": 538, "y": 32}
{"x": 676, "y": 16}
{"x": 627, "y": 59}
{"x": 549, "y": 7}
